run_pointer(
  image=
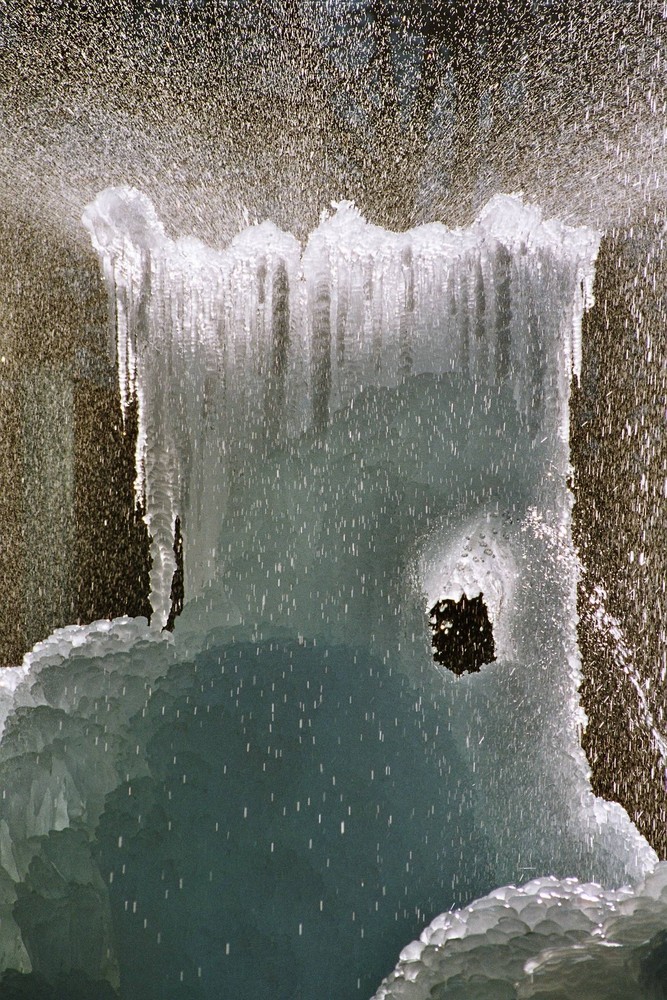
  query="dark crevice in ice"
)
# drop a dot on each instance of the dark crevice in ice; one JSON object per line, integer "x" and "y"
{"x": 462, "y": 635}
{"x": 177, "y": 592}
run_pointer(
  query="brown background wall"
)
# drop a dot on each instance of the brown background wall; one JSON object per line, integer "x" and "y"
{"x": 619, "y": 451}
{"x": 71, "y": 547}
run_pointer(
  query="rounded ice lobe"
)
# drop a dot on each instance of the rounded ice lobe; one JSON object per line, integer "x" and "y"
{"x": 549, "y": 938}
{"x": 231, "y": 825}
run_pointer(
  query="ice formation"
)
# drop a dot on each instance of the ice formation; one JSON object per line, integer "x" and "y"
{"x": 273, "y": 800}
{"x": 228, "y": 352}
{"x": 548, "y": 938}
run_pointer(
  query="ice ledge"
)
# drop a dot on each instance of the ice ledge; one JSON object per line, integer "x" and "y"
{"x": 530, "y": 940}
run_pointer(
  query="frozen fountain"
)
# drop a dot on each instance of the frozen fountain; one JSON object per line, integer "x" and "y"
{"x": 273, "y": 787}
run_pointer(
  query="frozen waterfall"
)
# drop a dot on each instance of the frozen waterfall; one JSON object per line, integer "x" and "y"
{"x": 231, "y": 352}
{"x": 275, "y": 799}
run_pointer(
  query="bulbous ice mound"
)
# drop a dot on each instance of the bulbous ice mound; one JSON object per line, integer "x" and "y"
{"x": 273, "y": 800}
{"x": 548, "y": 938}
{"x": 228, "y": 825}
{"x": 277, "y": 817}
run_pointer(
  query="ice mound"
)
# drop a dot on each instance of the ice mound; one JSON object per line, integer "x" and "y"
{"x": 208, "y": 827}
{"x": 18, "y": 685}
{"x": 548, "y": 938}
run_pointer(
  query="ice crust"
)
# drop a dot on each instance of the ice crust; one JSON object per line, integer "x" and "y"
{"x": 274, "y": 799}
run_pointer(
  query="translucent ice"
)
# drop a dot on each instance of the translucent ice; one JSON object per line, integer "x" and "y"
{"x": 228, "y": 353}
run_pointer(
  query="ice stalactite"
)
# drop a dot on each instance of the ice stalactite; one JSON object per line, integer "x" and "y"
{"x": 233, "y": 351}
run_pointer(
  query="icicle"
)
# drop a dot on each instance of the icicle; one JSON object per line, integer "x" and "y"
{"x": 226, "y": 352}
